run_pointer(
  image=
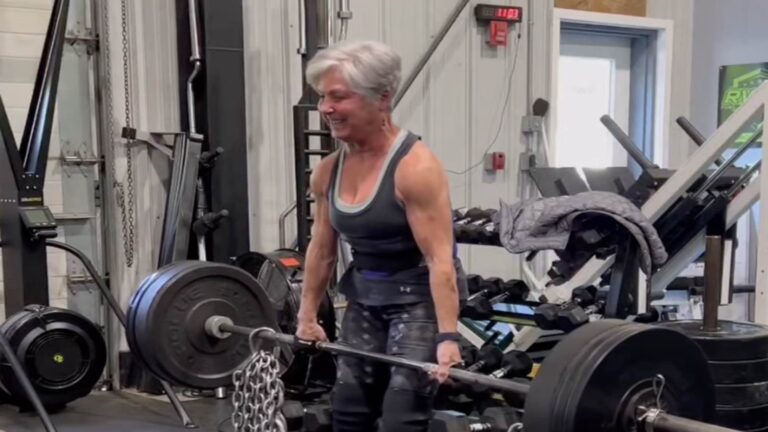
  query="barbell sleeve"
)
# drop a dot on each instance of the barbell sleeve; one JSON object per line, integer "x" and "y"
{"x": 218, "y": 326}
{"x": 659, "y": 421}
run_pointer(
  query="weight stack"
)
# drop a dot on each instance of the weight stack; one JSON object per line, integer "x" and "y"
{"x": 737, "y": 354}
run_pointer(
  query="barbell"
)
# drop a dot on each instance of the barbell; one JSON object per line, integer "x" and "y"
{"x": 193, "y": 324}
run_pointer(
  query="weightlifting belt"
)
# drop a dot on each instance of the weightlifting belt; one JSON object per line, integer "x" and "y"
{"x": 388, "y": 263}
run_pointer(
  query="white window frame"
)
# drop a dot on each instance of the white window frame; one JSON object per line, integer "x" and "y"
{"x": 662, "y": 98}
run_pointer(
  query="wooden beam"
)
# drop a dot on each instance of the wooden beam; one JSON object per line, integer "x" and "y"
{"x": 622, "y": 7}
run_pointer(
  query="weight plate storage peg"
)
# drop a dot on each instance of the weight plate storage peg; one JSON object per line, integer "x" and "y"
{"x": 62, "y": 352}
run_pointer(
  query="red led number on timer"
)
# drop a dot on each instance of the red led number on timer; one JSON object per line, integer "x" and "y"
{"x": 508, "y": 13}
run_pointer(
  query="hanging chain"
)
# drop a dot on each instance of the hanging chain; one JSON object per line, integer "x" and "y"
{"x": 258, "y": 395}
{"x": 126, "y": 206}
{"x": 125, "y": 195}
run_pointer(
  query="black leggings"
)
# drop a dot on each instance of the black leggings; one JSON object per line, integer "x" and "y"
{"x": 367, "y": 391}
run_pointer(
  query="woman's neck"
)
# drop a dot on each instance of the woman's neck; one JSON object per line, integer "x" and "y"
{"x": 377, "y": 142}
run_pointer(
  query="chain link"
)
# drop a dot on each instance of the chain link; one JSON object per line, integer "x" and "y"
{"x": 258, "y": 395}
{"x": 126, "y": 206}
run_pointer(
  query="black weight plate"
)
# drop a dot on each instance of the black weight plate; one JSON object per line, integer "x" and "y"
{"x": 139, "y": 309}
{"x": 137, "y": 316}
{"x": 539, "y": 401}
{"x": 281, "y": 273}
{"x": 739, "y": 372}
{"x": 130, "y": 332}
{"x": 734, "y": 341}
{"x": 742, "y": 395}
{"x": 743, "y": 418}
{"x": 273, "y": 277}
{"x": 171, "y": 314}
{"x": 596, "y": 377}
{"x": 62, "y": 352}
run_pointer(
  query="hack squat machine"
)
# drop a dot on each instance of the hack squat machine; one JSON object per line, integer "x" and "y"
{"x": 583, "y": 350}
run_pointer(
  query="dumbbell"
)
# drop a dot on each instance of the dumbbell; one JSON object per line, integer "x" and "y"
{"x": 445, "y": 421}
{"x": 584, "y": 295}
{"x": 516, "y": 290}
{"x": 513, "y": 364}
{"x": 488, "y": 358}
{"x": 479, "y": 308}
{"x": 480, "y": 304}
{"x": 466, "y": 230}
{"x": 565, "y": 317}
{"x": 474, "y": 283}
{"x": 469, "y": 354}
{"x": 481, "y": 287}
{"x": 317, "y": 418}
{"x": 472, "y": 215}
{"x": 479, "y": 232}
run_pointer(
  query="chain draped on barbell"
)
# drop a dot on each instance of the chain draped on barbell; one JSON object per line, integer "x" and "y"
{"x": 193, "y": 323}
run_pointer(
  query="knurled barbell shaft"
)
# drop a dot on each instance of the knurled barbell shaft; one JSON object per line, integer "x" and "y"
{"x": 224, "y": 325}
{"x": 664, "y": 422}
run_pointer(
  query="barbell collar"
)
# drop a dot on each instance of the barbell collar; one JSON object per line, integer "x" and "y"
{"x": 218, "y": 326}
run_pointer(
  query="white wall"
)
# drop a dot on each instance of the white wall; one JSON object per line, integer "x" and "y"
{"x": 727, "y": 33}
{"x": 455, "y": 105}
{"x": 23, "y": 24}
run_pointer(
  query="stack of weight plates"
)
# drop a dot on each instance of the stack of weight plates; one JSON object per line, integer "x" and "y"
{"x": 738, "y": 360}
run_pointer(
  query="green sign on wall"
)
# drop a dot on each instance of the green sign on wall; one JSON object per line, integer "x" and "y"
{"x": 737, "y": 83}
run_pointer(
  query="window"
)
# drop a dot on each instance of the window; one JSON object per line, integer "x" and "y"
{"x": 594, "y": 80}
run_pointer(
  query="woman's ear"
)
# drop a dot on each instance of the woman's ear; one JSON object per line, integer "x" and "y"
{"x": 385, "y": 101}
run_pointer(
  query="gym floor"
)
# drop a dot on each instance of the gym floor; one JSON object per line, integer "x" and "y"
{"x": 122, "y": 412}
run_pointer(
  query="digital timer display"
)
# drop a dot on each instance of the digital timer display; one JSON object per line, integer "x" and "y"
{"x": 485, "y": 12}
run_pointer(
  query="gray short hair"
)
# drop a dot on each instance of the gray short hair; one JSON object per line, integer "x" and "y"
{"x": 371, "y": 68}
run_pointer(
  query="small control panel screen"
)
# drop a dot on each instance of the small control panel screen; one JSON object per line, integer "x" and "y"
{"x": 37, "y": 217}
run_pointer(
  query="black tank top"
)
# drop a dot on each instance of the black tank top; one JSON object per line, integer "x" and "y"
{"x": 387, "y": 266}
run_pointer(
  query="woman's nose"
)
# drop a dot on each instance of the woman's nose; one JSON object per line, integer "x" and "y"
{"x": 325, "y": 107}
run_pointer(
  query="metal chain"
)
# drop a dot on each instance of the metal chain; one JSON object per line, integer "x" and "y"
{"x": 127, "y": 209}
{"x": 258, "y": 395}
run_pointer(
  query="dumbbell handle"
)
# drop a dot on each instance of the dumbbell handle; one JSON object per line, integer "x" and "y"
{"x": 476, "y": 366}
{"x": 501, "y": 372}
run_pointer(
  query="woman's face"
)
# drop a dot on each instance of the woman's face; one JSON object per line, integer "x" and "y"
{"x": 350, "y": 115}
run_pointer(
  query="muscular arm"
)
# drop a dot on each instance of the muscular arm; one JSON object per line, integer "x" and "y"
{"x": 423, "y": 187}
{"x": 322, "y": 248}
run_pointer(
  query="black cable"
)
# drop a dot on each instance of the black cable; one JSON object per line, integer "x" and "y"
{"x": 503, "y": 110}
{"x": 95, "y": 276}
{"x": 175, "y": 402}
{"x": 32, "y": 395}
